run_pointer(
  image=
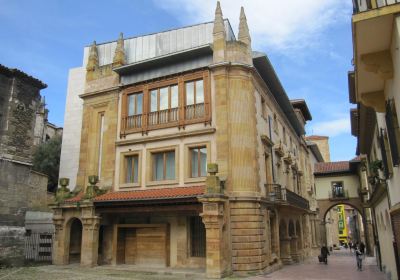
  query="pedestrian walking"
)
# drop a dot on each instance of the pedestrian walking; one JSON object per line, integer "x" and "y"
{"x": 362, "y": 248}
{"x": 350, "y": 246}
{"x": 324, "y": 253}
{"x": 359, "y": 257}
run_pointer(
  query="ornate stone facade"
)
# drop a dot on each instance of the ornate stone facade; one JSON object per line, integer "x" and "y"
{"x": 151, "y": 124}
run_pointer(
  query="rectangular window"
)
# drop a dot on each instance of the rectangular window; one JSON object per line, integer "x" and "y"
{"x": 132, "y": 169}
{"x": 135, "y": 104}
{"x": 197, "y": 237}
{"x": 198, "y": 162}
{"x": 338, "y": 189}
{"x": 163, "y": 166}
{"x": 194, "y": 99}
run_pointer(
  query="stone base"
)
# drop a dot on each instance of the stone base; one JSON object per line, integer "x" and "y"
{"x": 287, "y": 260}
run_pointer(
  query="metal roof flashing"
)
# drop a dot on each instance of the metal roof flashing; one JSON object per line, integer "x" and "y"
{"x": 268, "y": 74}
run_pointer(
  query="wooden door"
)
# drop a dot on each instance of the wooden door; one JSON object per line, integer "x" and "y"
{"x": 151, "y": 246}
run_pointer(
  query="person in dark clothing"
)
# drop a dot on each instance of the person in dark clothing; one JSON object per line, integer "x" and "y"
{"x": 359, "y": 258}
{"x": 324, "y": 253}
{"x": 350, "y": 246}
{"x": 362, "y": 248}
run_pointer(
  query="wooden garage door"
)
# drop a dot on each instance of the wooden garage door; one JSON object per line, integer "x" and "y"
{"x": 151, "y": 246}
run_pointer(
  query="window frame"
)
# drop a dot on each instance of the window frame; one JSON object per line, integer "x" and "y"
{"x": 181, "y": 121}
{"x": 123, "y": 169}
{"x": 149, "y": 165}
{"x": 188, "y": 160}
{"x": 199, "y": 148}
{"x": 164, "y": 160}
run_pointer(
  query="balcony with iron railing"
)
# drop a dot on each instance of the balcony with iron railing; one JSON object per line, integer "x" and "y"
{"x": 360, "y": 6}
{"x": 281, "y": 195}
{"x": 342, "y": 195}
{"x": 166, "y": 118}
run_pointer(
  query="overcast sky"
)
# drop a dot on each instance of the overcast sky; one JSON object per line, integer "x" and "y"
{"x": 307, "y": 41}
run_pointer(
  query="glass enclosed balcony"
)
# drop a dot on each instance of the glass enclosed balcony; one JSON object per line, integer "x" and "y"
{"x": 366, "y": 5}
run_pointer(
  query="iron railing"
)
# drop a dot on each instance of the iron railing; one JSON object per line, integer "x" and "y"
{"x": 277, "y": 193}
{"x": 366, "y": 5}
{"x": 339, "y": 195}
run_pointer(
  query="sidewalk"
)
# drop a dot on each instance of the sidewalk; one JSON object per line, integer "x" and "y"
{"x": 341, "y": 266}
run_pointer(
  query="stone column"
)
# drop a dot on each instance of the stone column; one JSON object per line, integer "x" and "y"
{"x": 294, "y": 249}
{"x": 90, "y": 236}
{"x": 59, "y": 253}
{"x": 285, "y": 251}
{"x": 214, "y": 221}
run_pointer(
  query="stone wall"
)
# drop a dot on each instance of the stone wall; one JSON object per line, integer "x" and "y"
{"x": 21, "y": 189}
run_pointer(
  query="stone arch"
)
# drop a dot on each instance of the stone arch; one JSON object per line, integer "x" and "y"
{"x": 74, "y": 230}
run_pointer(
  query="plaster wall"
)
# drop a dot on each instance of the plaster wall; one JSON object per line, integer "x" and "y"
{"x": 324, "y": 185}
{"x": 69, "y": 161}
{"x": 385, "y": 235}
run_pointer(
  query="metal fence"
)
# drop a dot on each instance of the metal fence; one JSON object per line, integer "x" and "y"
{"x": 39, "y": 246}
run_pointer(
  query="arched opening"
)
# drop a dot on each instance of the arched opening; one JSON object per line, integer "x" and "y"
{"x": 75, "y": 241}
{"x": 344, "y": 224}
{"x": 293, "y": 241}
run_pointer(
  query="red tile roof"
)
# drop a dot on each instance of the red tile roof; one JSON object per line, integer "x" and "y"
{"x": 76, "y": 198}
{"x": 331, "y": 167}
{"x": 163, "y": 193}
{"x": 316, "y": 137}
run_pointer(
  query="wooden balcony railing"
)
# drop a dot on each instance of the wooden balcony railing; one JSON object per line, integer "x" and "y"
{"x": 278, "y": 194}
{"x": 163, "y": 116}
{"x": 194, "y": 111}
{"x": 366, "y": 5}
{"x": 166, "y": 118}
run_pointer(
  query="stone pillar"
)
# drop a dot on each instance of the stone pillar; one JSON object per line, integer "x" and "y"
{"x": 90, "y": 236}
{"x": 285, "y": 251}
{"x": 294, "y": 248}
{"x": 214, "y": 221}
{"x": 60, "y": 256}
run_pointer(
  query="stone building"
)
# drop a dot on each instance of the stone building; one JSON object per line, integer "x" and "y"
{"x": 21, "y": 188}
{"x": 374, "y": 88}
{"x": 191, "y": 155}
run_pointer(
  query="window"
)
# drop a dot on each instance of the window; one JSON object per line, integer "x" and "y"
{"x": 163, "y": 105}
{"x": 134, "y": 110}
{"x": 163, "y": 166}
{"x": 135, "y": 104}
{"x": 197, "y": 237}
{"x": 132, "y": 169}
{"x": 198, "y": 163}
{"x": 194, "y": 99}
{"x": 393, "y": 132}
{"x": 338, "y": 189}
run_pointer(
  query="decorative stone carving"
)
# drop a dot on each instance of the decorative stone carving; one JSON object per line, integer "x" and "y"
{"x": 119, "y": 55}
{"x": 93, "y": 190}
{"x": 212, "y": 182}
{"x": 63, "y": 192}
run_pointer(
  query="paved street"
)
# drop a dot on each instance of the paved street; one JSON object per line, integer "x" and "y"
{"x": 342, "y": 266}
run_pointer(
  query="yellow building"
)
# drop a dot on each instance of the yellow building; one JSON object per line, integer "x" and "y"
{"x": 374, "y": 87}
{"x": 342, "y": 225}
{"x": 191, "y": 155}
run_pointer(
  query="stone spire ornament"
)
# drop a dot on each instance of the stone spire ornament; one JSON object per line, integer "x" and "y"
{"x": 219, "y": 26}
{"x": 93, "y": 61}
{"x": 244, "y": 34}
{"x": 219, "y": 36}
{"x": 119, "y": 55}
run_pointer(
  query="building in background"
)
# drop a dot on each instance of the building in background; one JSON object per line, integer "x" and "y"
{"x": 374, "y": 88}
{"x": 184, "y": 145}
{"x": 23, "y": 119}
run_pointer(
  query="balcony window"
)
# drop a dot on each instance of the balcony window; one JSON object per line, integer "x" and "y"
{"x": 194, "y": 99}
{"x": 132, "y": 169}
{"x": 338, "y": 189}
{"x": 163, "y": 166}
{"x": 135, "y": 110}
{"x": 163, "y": 105}
{"x": 177, "y": 101}
{"x": 198, "y": 162}
{"x": 393, "y": 131}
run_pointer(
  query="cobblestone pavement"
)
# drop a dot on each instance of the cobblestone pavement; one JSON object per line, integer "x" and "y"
{"x": 341, "y": 266}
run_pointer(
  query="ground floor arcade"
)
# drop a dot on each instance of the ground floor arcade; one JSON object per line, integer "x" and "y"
{"x": 216, "y": 234}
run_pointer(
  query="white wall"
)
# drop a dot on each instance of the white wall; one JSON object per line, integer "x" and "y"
{"x": 324, "y": 185}
{"x": 69, "y": 161}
